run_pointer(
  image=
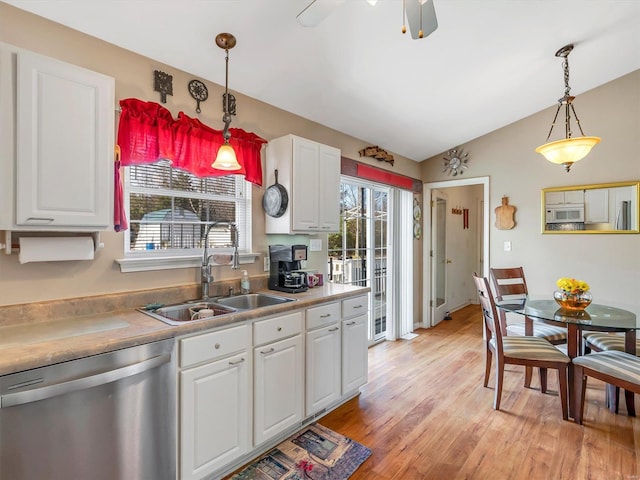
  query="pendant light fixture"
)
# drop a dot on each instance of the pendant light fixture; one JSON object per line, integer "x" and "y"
{"x": 226, "y": 157}
{"x": 572, "y": 149}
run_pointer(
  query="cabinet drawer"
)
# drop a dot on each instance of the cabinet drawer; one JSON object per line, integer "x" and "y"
{"x": 354, "y": 306}
{"x": 211, "y": 346}
{"x": 323, "y": 315}
{"x": 273, "y": 329}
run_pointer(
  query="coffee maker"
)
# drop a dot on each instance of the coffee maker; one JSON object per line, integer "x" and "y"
{"x": 285, "y": 274}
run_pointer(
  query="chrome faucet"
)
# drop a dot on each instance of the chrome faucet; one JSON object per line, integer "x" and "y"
{"x": 206, "y": 277}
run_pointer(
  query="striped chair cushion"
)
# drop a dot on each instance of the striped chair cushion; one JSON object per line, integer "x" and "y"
{"x": 608, "y": 341}
{"x": 533, "y": 348}
{"x": 540, "y": 330}
{"x": 616, "y": 364}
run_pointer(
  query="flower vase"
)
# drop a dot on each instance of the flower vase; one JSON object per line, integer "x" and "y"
{"x": 573, "y": 300}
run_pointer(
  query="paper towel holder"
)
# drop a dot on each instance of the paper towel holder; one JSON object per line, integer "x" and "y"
{"x": 9, "y": 247}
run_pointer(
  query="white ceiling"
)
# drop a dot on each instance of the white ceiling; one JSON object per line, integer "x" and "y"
{"x": 489, "y": 63}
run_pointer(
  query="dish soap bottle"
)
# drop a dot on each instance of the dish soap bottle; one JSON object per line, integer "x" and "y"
{"x": 245, "y": 286}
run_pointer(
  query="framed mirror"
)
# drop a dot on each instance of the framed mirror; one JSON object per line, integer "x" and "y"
{"x": 600, "y": 208}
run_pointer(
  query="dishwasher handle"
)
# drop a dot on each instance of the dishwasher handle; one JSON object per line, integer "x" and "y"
{"x": 28, "y": 396}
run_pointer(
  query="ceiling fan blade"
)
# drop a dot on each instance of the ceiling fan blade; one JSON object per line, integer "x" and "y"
{"x": 316, "y": 12}
{"x": 429, "y": 20}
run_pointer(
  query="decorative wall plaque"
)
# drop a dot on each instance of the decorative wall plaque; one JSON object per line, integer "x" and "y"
{"x": 199, "y": 92}
{"x": 163, "y": 83}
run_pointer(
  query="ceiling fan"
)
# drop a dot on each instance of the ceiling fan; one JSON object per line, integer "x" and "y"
{"x": 420, "y": 15}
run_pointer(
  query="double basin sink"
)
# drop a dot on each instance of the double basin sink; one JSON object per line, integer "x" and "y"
{"x": 181, "y": 313}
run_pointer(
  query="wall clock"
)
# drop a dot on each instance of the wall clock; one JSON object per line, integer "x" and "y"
{"x": 455, "y": 162}
{"x": 199, "y": 92}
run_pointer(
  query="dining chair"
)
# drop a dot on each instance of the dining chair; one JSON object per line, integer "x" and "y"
{"x": 612, "y": 367}
{"x": 510, "y": 283}
{"x": 528, "y": 351}
{"x": 604, "y": 342}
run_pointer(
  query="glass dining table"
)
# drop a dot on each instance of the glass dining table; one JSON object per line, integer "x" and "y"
{"x": 600, "y": 318}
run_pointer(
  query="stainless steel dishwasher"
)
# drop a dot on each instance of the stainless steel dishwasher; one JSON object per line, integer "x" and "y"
{"x": 110, "y": 416}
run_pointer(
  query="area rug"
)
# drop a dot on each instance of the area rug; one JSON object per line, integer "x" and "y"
{"x": 314, "y": 453}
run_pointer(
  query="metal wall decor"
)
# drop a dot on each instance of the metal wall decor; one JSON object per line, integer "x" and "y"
{"x": 455, "y": 161}
{"x": 199, "y": 92}
{"x": 231, "y": 105}
{"x": 163, "y": 83}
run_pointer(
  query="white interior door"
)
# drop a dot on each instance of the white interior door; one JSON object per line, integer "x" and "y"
{"x": 439, "y": 260}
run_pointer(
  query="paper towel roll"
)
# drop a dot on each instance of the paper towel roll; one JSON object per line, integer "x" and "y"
{"x": 55, "y": 249}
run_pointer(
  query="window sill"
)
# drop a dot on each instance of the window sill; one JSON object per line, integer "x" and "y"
{"x": 147, "y": 264}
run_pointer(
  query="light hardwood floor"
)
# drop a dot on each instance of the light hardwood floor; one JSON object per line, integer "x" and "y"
{"x": 426, "y": 415}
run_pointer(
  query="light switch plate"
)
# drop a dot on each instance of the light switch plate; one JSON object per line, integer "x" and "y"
{"x": 507, "y": 246}
{"x": 315, "y": 245}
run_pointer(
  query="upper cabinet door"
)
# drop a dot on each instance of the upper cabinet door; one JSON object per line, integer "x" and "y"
{"x": 306, "y": 178}
{"x": 329, "y": 214}
{"x": 64, "y": 145}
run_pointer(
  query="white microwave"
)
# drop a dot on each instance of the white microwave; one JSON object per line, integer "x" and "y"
{"x": 565, "y": 214}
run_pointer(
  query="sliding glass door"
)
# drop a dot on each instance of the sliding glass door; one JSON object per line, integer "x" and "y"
{"x": 358, "y": 254}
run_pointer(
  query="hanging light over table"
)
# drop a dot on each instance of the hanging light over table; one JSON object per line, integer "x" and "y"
{"x": 568, "y": 151}
{"x": 226, "y": 157}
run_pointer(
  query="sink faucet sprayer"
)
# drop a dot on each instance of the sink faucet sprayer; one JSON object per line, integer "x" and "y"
{"x": 205, "y": 271}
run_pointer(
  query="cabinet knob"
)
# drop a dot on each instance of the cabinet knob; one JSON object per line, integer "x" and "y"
{"x": 216, "y": 346}
{"x": 326, "y": 315}
{"x": 350, "y": 323}
{"x": 358, "y": 306}
{"x": 333, "y": 329}
{"x": 237, "y": 362}
{"x": 265, "y": 352}
{"x": 279, "y": 329}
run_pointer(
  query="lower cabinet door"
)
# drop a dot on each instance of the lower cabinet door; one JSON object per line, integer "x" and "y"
{"x": 278, "y": 387}
{"x": 215, "y": 414}
{"x": 354, "y": 353}
{"x": 323, "y": 368}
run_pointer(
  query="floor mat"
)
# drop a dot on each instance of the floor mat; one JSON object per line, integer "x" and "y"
{"x": 314, "y": 453}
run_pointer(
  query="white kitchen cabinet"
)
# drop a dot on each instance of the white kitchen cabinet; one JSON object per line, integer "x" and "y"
{"x": 310, "y": 172}
{"x": 323, "y": 357}
{"x": 60, "y": 143}
{"x": 568, "y": 196}
{"x": 596, "y": 205}
{"x": 278, "y": 375}
{"x": 215, "y": 400}
{"x": 354, "y": 344}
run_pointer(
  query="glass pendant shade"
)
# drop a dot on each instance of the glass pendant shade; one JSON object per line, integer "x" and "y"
{"x": 226, "y": 159}
{"x": 568, "y": 151}
{"x": 571, "y": 149}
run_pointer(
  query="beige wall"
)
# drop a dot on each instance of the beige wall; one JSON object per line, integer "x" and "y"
{"x": 610, "y": 263}
{"x": 134, "y": 78}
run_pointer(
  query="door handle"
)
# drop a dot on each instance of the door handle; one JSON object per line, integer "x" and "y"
{"x": 448, "y": 261}
{"x": 28, "y": 396}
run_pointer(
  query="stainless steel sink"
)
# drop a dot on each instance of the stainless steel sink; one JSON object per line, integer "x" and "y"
{"x": 250, "y": 301}
{"x": 182, "y": 313}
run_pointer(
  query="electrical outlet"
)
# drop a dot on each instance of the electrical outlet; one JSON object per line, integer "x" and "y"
{"x": 266, "y": 263}
{"x": 507, "y": 246}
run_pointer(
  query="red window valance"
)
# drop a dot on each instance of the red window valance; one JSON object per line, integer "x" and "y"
{"x": 147, "y": 132}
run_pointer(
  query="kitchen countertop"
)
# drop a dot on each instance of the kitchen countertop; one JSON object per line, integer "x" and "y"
{"x": 54, "y": 338}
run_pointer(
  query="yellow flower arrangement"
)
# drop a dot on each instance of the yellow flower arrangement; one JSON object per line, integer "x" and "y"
{"x": 571, "y": 285}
